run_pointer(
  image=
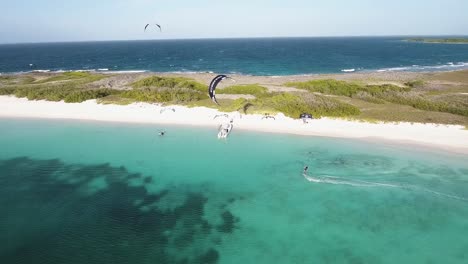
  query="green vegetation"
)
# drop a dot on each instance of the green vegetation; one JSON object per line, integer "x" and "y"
{"x": 342, "y": 88}
{"x": 376, "y": 90}
{"x": 170, "y": 82}
{"x": 421, "y": 102}
{"x": 441, "y": 41}
{"x": 380, "y": 94}
{"x": 390, "y": 112}
{"x": 81, "y": 77}
{"x": 84, "y": 95}
{"x": 7, "y": 91}
{"x": 71, "y": 90}
{"x": 166, "y": 89}
{"x": 328, "y": 86}
{"x": 57, "y": 93}
{"x": 413, "y": 102}
{"x": 12, "y": 80}
{"x": 415, "y": 84}
{"x": 71, "y": 87}
{"x": 164, "y": 95}
{"x": 6, "y": 79}
{"x": 251, "y": 89}
{"x": 291, "y": 105}
{"x": 365, "y": 96}
{"x": 115, "y": 99}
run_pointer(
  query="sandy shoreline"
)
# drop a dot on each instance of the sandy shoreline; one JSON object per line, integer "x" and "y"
{"x": 447, "y": 137}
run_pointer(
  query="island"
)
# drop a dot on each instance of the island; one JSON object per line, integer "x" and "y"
{"x": 440, "y": 40}
{"x": 369, "y": 104}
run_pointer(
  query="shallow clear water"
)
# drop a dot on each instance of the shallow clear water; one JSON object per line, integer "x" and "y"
{"x": 83, "y": 192}
{"x": 268, "y": 56}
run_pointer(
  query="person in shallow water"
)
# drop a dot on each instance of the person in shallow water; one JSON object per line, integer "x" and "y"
{"x": 162, "y": 133}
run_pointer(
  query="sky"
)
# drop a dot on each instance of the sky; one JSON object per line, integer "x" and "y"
{"x": 86, "y": 20}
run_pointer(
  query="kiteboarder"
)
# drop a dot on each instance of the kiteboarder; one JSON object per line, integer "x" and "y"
{"x": 305, "y": 169}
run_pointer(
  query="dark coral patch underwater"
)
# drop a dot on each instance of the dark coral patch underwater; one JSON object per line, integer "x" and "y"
{"x": 53, "y": 212}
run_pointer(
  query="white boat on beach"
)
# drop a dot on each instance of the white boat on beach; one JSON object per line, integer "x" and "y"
{"x": 224, "y": 130}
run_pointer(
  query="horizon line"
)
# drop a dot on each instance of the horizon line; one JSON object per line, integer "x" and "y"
{"x": 227, "y": 38}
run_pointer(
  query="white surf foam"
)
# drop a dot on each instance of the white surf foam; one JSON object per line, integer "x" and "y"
{"x": 129, "y": 71}
{"x": 417, "y": 68}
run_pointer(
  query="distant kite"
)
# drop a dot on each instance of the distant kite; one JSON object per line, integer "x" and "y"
{"x": 213, "y": 84}
{"x": 159, "y": 26}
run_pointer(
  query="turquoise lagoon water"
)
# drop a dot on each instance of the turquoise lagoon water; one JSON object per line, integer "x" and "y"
{"x": 83, "y": 192}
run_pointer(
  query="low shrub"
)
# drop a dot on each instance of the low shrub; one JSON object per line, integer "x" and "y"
{"x": 293, "y": 105}
{"x": 343, "y": 88}
{"x": 415, "y": 84}
{"x": 84, "y": 95}
{"x": 164, "y": 95}
{"x": 170, "y": 82}
{"x": 251, "y": 89}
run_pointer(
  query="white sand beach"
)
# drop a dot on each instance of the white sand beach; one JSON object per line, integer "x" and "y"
{"x": 447, "y": 137}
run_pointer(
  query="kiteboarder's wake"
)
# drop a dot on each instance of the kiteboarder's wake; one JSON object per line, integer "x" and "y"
{"x": 359, "y": 183}
{"x": 342, "y": 181}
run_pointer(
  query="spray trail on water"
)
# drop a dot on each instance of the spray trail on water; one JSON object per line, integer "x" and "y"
{"x": 359, "y": 183}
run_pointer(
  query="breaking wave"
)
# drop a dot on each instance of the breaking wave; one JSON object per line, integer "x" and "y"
{"x": 419, "y": 68}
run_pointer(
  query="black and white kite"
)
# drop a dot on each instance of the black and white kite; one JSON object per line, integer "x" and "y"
{"x": 159, "y": 26}
{"x": 213, "y": 84}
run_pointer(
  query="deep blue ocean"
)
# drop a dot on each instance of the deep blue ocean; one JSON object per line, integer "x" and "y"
{"x": 265, "y": 56}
